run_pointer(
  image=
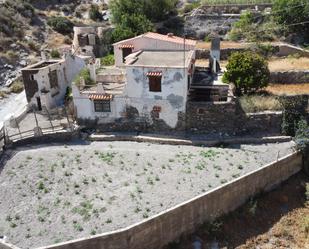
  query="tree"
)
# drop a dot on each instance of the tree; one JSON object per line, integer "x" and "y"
{"x": 153, "y": 10}
{"x": 247, "y": 71}
{"x": 131, "y": 25}
{"x": 134, "y": 17}
{"x": 290, "y": 12}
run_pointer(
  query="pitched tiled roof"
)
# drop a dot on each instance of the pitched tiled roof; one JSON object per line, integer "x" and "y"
{"x": 168, "y": 38}
{"x": 156, "y": 36}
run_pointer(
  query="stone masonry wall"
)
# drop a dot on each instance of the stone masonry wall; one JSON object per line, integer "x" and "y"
{"x": 228, "y": 117}
{"x": 289, "y": 77}
{"x": 185, "y": 218}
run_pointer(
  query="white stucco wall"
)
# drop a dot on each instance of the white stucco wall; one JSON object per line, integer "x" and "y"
{"x": 172, "y": 98}
{"x": 145, "y": 43}
{"x": 66, "y": 69}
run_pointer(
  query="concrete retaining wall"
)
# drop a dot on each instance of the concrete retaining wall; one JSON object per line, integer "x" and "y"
{"x": 185, "y": 218}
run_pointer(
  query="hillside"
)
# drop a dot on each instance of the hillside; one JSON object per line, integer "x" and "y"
{"x": 24, "y": 30}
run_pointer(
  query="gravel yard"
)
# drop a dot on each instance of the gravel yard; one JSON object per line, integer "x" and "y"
{"x": 58, "y": 193}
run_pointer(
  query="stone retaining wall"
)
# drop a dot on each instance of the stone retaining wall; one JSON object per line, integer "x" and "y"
{"x": 185, "y": 218}
{"x": 281, "y": 50}
{"x": 228, "y": 117}
{"x": 289, "y": 77}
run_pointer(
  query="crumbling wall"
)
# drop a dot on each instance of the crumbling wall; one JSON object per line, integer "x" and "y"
{"x": 30, "y": 84}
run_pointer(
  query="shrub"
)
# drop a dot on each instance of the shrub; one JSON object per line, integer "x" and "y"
{"x": 94, "y": 13}
{"x": 60, "y": 24}
{"x": 67, "y": 40}
{"x": 108, "y": 60}
{"x": 294, "y": 108}
{"x": 32, "y": 45}
{"x": 259, "y": 103}
{"x": 247, "y": 71}
{"x": 84, "y": 74}
{"x": 302, "y": 136}
{"x": 265, "y": 50}
{"x": 55, "y": 53}
{"x": 17, "y": 87}
{"x": 191, "y": 6}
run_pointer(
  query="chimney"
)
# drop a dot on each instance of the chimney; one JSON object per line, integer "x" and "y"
{"x": 43, "y": 55}
{"x": 214, "y": 59}
{"x": 170, "y": 34}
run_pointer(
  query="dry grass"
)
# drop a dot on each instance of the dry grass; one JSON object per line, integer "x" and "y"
{"x": 284, "y": 64}
{"x": 224, "y": 44}
{"x": 288, "y": 89}
{"x": 257, "y": 103}
{"x": 205, "y": 63}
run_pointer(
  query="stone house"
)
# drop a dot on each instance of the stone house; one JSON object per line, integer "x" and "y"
{"x": 46, "y": 82}
{"x": 150, "y": 87}
{"x": 155, "y": 86}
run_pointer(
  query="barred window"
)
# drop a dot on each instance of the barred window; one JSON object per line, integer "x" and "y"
{"x": 102, "y": 105}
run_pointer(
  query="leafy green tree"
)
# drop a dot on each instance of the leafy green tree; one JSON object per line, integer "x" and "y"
{"x": 134, "y": 17}
{"x": 154, "y": 10}
{"x": 291, "y": 12}
{"x": 130, "y": 26}
{"x": 247, "y": 71}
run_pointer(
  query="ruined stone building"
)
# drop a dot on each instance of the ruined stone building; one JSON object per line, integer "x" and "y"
{"x": 87, "y": 41}
{"x": 46, "y": 82}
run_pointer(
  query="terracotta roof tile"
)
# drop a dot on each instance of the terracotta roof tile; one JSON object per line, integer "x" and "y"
{"x": 155, "y": 74}
{"x": 168, "y": 38}
{"x": 100, "y": 96}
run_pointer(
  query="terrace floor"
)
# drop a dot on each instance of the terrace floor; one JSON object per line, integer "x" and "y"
{"x": 62, "y": 192}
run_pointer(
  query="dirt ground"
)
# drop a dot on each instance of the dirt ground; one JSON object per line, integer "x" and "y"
{"x": 278, "y": 219}
{"x": 63, "y": 192}
{"x": 288, "y": 89}
{"x": 275, "y": 64}
{"x": 286, "y": 64}
{"x": 223, "y": 45}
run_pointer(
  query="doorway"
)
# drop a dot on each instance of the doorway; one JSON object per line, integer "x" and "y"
{"x": 39, "y": 104}
{"x": 125, "y": 53}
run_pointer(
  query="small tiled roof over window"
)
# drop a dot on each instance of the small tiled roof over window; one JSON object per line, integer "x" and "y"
{"x": 157, "y": 74}
{"x": 100, "y": 96}
{"x": 126, "y": 46}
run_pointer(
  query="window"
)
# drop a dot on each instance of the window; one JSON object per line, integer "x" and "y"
{"x": 102, "y": 105}
{"x": 155, "y": 83}
{"x": 31, "y": 77}
{"x": 53, "y": 79}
